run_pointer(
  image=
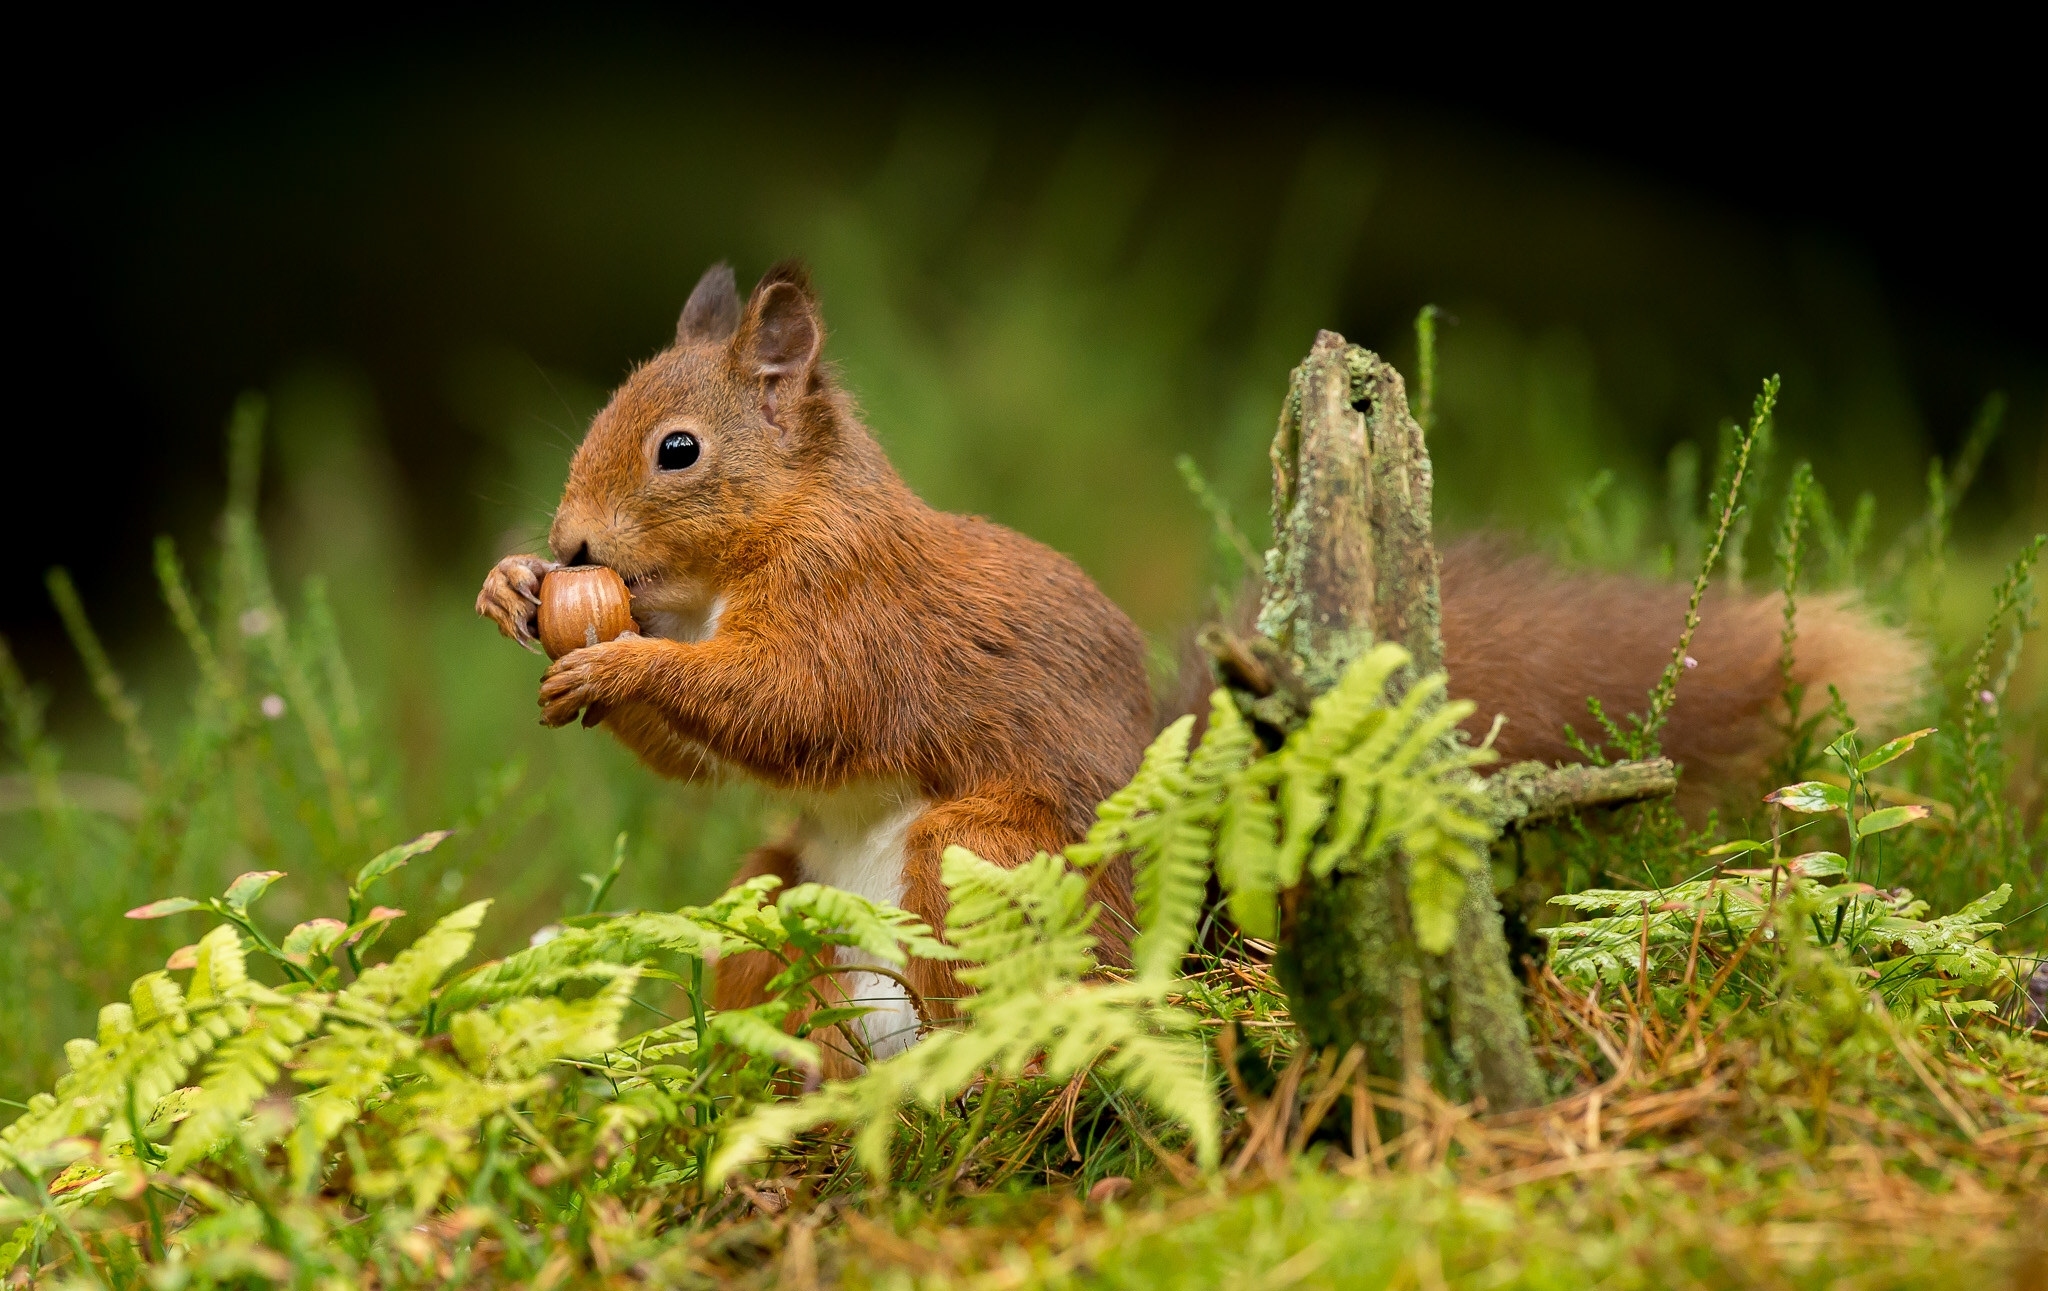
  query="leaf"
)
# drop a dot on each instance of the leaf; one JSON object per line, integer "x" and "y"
{"x": 241, "y": 1070}
{"x": 1877, "y": 822}
{"x": 248, "y": 887}
{"x": 588, "y": 952}
{"x": 518, "y": 1039}
{"x": 313, "y": 938}
{"x": 1985, "y": 906}
{"x": 403, "y": 985}
{"x": 754, "y": 1031}
{"x": 167, "y": 906}
{"x": 370, "y": 923}
{"x": 1172, "y": 871}
{"x": 1435, "y": 890}
{"x": 1892, "y": 750}
{"x": 1736, "y": 845}
{"x": 845, "y": 918}
{"x": 392, "y": 858}
{"x": 1247, "y": 852}
{"x": 1818, "y": 865}
{"x": 1810, "y": 796}
{"x": 219, "y": 969}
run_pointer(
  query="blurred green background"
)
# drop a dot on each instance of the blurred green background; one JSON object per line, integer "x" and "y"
{"x": 435, "y": 262}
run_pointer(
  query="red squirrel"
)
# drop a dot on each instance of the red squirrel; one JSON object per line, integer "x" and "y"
{"x": 914, "y": 679}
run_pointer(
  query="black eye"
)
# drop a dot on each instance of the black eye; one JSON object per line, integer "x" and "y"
{"x": 678, "y": 449}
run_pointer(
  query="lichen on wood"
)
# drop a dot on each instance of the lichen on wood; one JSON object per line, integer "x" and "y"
{"x": 1529, "y": 793}
{"x": 1353, "y": 562}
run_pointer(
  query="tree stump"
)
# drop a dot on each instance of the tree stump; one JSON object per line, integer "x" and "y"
{"x": 1353, "y": 563}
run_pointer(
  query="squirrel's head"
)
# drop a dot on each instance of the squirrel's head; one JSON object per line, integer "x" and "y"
{"x": 709, "y": 439}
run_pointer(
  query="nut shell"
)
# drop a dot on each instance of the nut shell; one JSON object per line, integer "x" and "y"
{"x": 583, "y": 605}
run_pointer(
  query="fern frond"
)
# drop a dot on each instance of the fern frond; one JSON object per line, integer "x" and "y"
{"x": 1146, "y": 1046}
{"x": 1154, "y": 783}
{"x": 144, "y": 1050}
{"x": 587, "y": 952}
{"x": 1247, "y": 849}
{"x": 519, "y": 1038}
{"x": 1022, "y": 928}
{"x": 1026, "y": 929}
{"x": 1172, "y": 871}
{"x": 1953, "y": 945}
{"x": 758, "y": 1031}
{"x": 402, "y": 986}
{"x": 838, "y": 917}
{"x": 221, "y": 970}
{"x": 239, "y": 1073}
{"x": 344, "y": 1069}
{"x": 1358, "y": 779}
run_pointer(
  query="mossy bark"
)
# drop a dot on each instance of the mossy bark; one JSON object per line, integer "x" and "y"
{"x": 1529, "y": 793}
{"x": 1352, "y": 563}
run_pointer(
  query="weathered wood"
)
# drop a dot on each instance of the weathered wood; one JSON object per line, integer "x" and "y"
{"x": 1530, "y": 793}
{"x": 1353, "y": 563}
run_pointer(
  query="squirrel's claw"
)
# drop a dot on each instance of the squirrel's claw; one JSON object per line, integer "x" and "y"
{"x": 575, "y": 684}
{"x": 511, "y": 598}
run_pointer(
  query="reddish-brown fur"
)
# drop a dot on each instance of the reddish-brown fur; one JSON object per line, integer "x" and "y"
{"x": 1530, "y": 642}
{"x": 861, "y": 636}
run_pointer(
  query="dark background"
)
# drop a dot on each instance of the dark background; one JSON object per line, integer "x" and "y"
{"x": 198, "y": 211}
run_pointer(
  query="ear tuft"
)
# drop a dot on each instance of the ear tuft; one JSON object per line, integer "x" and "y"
{"x": 782, "y": 334}
{"x": 779, "y": 339}
{"x": 713, "y": 312}
{"x": 792, "y": 271}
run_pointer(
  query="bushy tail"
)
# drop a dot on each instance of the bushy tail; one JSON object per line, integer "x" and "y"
{"x": 1527, "y": 640}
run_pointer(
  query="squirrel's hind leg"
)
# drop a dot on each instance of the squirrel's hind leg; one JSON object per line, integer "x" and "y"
{"x": 1004, "y": 824}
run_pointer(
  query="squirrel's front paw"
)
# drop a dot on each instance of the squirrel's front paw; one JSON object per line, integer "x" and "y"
{"x": 511, "y": 597}
{"x": 592, "y": 679}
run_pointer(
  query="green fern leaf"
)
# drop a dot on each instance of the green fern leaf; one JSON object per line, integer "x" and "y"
{"x": 239, "y": 1073}
{"x": 222, "y": 970}
{"x": 1154, "y": 783}
{"x": 1172, "y": 868}
{"x": 846, "y": 918}
{"x": 402, "y": 986}
{"x": 1023, "y": 927}
{"x": 343, "y": 1069}
{"x": 580, "y": 953}
{"x": 758, "y": 1031}
{"x": 519, "y": 1038}
{"x": 1247, "y": 850}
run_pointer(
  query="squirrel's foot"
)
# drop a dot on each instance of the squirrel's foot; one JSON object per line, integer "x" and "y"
{"x": 591, "y": 680}
{"x": 511, "y": 597}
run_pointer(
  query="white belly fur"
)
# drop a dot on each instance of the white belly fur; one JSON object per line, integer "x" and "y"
{"x": 853, "y": 839}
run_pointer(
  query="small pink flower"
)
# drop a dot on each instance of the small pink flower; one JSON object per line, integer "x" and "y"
{"x": 1691, "y": 662}
{"x": 1986, "y": 697}
{"x": 272, "y": 706}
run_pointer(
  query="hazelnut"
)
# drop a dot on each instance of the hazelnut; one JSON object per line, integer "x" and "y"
{"x": 582, "y": 606}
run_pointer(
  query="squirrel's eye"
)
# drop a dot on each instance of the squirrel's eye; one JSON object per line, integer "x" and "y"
{"x": 678, "y": 450}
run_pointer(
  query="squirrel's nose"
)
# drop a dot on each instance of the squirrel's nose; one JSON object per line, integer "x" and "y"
{"x": 571, "y": 544}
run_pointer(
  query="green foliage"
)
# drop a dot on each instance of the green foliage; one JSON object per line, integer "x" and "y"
{"x": 408, "y": 1083}
{"x": 1358, "y": 779}
{"x": 283, "y": 1105}
{"x": 1812, "y": 898}
{"x": 1025, "y": 934}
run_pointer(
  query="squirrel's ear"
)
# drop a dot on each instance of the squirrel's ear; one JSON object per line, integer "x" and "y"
{"x": 713, "y": 312}
{"x": 780, "y": 337}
